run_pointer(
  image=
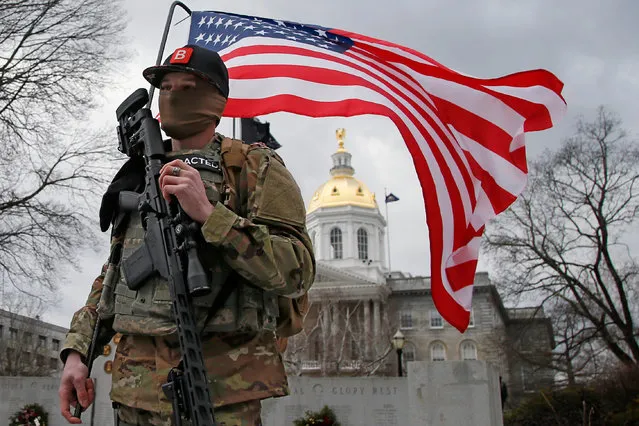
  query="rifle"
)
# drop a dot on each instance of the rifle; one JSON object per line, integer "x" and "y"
{"x": 170, "y": 250}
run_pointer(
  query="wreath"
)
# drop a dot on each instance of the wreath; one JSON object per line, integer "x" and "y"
{"x": 324, "y": 417}
{"x": 30, "y": 415}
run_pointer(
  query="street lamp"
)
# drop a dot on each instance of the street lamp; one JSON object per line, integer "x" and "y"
{"x": 398, "y": 343}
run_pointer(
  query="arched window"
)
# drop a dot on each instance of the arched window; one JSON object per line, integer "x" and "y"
{"x": 438, "y": 352}
{"x": 468, "y": 350}
{"x": 336, "y": 243}
{"x": 362, "y": 243}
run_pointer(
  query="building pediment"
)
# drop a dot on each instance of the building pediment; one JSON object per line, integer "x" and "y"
{"x": 329, "y": 274}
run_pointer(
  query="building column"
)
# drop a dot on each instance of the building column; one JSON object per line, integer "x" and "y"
{"x": 373, "y": 250}
{"x": 376, "y": 324}
{"x": 334, "y": 335}
{"x": 367, "y": 330}
{"x": 318, "y": 242}
{"x": 326, "y": 337}
{"x": 325, "y": 244}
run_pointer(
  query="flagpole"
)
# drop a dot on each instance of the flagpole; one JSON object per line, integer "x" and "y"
{"x": 387, "y": 233}
{"x": 165, "y": 35}
{"x": 233, "y": 127}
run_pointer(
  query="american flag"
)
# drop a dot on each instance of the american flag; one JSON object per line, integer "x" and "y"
{"x": 465, "y": 135}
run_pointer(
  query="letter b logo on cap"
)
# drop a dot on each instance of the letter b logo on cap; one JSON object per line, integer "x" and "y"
{"x": 181, "y": 55}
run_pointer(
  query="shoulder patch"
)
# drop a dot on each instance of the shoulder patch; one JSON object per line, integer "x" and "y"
{"x": 200, "y": 162}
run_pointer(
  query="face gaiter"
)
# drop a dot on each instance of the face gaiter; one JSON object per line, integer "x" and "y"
{"x": 184, "y": 113}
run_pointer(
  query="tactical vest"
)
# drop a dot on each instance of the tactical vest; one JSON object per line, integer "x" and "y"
{"x": 246, "y": 308}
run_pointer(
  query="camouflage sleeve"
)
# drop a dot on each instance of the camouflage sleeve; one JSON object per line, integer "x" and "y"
{"x": 270, "y": 247}
{"x": 80, "y": 332}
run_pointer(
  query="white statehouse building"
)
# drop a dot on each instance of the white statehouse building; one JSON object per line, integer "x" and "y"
{"x": 358, "y": 305}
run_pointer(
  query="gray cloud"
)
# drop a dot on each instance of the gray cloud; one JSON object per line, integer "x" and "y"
{"x": 589, "y": 44}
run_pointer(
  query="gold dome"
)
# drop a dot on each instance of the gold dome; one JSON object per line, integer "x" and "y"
{"x": 342, "y": 189}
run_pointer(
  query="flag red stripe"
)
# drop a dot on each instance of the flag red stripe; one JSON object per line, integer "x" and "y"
{"x": 499, "y": 198}
{"x": 477, "y": 128}
{"x": 461, "y": 275}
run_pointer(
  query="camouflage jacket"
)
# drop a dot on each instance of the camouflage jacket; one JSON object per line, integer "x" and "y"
{"x": 268, "y": 246}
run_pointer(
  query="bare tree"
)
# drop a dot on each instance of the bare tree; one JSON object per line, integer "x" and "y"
{"x": 565, "y": 240}
{"x": 335, "y": 340}
{"x": 55, "y": 56}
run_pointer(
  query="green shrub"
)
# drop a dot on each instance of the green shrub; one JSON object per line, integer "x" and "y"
{"x": 563, "y": 407}
{"x": 613, "y": 401}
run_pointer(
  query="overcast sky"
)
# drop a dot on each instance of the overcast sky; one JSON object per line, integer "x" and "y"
{"x": 590, "y": 45}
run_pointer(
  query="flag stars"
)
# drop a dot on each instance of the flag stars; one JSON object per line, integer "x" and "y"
{"x": 229, "y": 29}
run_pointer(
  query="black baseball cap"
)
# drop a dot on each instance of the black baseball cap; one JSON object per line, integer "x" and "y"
{"x": 193, "y": 59}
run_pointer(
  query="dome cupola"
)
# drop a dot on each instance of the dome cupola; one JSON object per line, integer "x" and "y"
{"x": 342, "y": 189}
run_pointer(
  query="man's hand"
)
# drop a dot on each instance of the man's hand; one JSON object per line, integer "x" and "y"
{"x": 75, "y": 385}
{"x": 179, "y": 179}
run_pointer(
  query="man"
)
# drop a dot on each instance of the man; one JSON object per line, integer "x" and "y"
{"x": 255, "y": 231}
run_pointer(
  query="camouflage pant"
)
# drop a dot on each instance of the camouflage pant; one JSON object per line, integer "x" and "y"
{"x": 240, "y": 414}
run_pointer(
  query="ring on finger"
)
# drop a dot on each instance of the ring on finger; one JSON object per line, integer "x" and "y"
{"x": 175, "y": 171}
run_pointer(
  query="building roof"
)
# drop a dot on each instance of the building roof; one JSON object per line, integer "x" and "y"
{"x": 33, "y": 322}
